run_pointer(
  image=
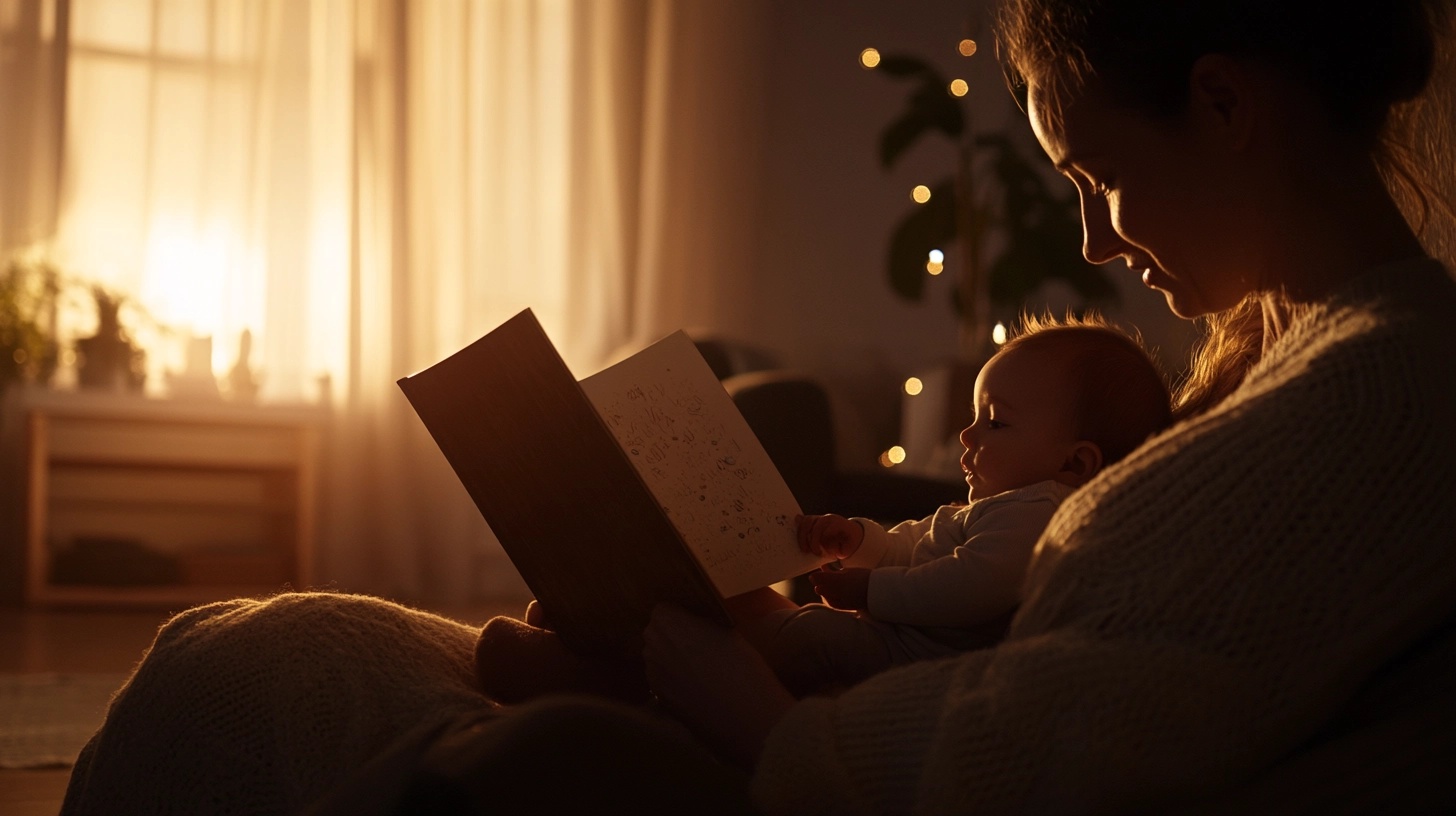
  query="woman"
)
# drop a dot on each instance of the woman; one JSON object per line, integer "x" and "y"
{"x": 1222, "y": 617}
{"x": 1207, "y": 606}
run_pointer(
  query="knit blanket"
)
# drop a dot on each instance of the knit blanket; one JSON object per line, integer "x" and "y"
{"x": 262, "y": 706}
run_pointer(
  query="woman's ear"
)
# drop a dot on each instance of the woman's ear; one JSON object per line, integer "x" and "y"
{"x": 1083, "y": 462}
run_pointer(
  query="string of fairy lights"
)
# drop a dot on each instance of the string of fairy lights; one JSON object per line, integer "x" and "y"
{"x": 869, "y": 58}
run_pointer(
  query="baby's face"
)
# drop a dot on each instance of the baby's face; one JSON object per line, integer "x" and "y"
{"x": 1023, "y": 432}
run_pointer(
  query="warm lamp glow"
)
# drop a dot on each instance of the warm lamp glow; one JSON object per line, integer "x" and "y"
{"x": 185, "y": 281}
{"x": 937, "y": 256}
{"x": 998, "y": 333}
{"x": 894, "y": 456}
{"x": 958, "y": 87}
{"x": 914, "y": 386}
{"x": 921, "y": 194}
{"x": 869, "y": 58}
{"x": 934, "y": 267}
{"x": 967, "y": 47}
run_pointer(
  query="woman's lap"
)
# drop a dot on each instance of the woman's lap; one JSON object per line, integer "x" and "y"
{"x": 266, "y": 706}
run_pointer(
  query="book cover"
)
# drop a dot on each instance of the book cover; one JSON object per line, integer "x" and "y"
{"x": 639, "y": 485}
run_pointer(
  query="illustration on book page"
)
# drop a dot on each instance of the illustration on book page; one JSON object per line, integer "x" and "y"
{"x": 700, "y": 459}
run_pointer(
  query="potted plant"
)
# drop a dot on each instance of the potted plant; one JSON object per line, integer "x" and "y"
{"x": 29, "y": 351}
{"x": 992, "y": 187}
{"x": 109, "y": 359}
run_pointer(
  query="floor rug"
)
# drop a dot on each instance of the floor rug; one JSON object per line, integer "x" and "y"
{"x": 45, "y": 719}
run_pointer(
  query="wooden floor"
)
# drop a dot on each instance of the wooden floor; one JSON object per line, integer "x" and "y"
{"x": 98, "y": 642}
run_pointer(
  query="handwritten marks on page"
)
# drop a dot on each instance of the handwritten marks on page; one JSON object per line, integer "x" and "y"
{"x": 698, "y": 456}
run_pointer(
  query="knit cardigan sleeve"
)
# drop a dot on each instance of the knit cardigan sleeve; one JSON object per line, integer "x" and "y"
{"x": 1198, "y": 609}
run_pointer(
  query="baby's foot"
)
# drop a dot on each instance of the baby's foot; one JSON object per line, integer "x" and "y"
{"x": 515, "y": 662}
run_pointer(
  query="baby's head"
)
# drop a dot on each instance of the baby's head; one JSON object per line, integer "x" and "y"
{"x": 1061, "y": 400}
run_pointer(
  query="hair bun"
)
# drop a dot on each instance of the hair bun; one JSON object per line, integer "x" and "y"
{"x": 1410, "y": 49}
{"x": 1373, "y": 55}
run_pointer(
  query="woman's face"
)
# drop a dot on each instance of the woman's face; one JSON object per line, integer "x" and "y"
{"x": 1161, "y": 195}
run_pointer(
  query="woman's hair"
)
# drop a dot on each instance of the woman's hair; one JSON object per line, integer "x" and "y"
{"x": 1120, "y": 395}
{"x": 1363, "y": 59}
{"x": 1232, "y": 342}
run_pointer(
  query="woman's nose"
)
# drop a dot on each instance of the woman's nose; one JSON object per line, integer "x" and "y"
{"x": 1100, "y": 241}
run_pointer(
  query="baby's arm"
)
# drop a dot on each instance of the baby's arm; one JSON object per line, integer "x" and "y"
{"x": 857, "y": 541}
{"x": 977, "y": 579}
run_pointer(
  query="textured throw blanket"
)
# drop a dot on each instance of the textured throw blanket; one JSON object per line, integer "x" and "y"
{"x": 262, "y": 706}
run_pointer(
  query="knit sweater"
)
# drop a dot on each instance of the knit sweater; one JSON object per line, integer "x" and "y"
{"x": 1197, "y": 610}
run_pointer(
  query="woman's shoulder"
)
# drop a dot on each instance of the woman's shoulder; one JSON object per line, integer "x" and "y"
{"x": 1391, "y": 323}
{"x": 1417, "y": 293}
{"x": 1369, "y": 372}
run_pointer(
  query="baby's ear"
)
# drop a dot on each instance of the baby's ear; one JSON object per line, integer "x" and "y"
{"x": 1082, "y": 463}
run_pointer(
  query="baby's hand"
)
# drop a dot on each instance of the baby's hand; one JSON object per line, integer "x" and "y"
{"x": 830, "y": 535}
{"x": 843, "y": 589}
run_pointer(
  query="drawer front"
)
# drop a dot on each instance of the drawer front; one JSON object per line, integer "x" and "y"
{"x": 133, "y": 441}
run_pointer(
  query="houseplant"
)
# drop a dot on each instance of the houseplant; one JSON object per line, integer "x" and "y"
{"x": 29, "y": 351}
{"x": 992, "y": 188}
{"x": 109, "y": 359}
{"x": 1011, "y": 231}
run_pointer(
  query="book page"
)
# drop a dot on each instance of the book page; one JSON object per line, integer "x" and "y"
{"x": 699, "y": 457}
{"x": 587, "y": 535}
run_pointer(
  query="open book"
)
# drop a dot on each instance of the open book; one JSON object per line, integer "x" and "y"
{"x": 638, "y": 485}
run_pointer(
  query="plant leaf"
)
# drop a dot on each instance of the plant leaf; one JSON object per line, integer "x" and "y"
{"x": 928, "y": 226}
{"x": 930, "y": 106}
{"x": 1044, "y": 234}
{"x": 939, "y": 107}
{"x": 900, "y": 134}
{"x": 900, "y": 66}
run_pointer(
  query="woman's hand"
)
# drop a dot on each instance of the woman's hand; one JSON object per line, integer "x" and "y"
{"x": 847, "y": 588}
{"x": 712, "y": 680}
{"x": 831, "y": 535}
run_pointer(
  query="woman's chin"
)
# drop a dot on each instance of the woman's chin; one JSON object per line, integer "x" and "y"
{"x": 1183, "y": 307}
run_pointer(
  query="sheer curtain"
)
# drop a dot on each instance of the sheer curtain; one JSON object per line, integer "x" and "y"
{"x": 366, "y": 185}
{"x": 32, "y": 63}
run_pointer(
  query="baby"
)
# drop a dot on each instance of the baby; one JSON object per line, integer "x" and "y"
{"x": 1053, "y": 407}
